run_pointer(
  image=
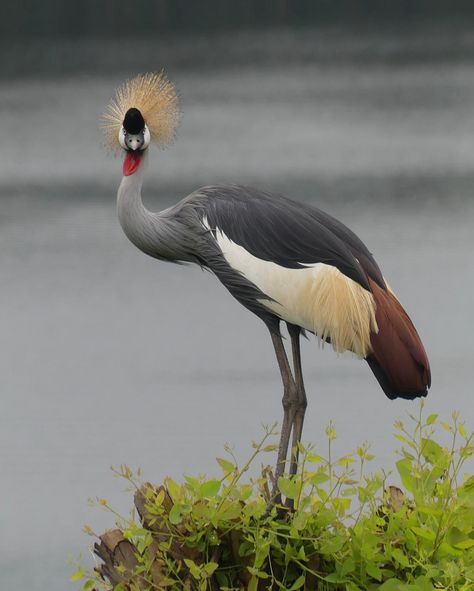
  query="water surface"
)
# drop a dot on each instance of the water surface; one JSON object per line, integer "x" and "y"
{"x": 110, "y": 357}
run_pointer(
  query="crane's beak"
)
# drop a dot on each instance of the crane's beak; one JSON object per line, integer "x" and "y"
{"x": 135, "y": 144}
{"x": 131, "y": 162}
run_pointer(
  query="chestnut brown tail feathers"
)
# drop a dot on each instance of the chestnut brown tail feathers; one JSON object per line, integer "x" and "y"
{"x": 398, "y": 359}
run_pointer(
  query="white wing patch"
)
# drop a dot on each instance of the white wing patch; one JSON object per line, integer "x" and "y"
{"x": 317, "y": 297}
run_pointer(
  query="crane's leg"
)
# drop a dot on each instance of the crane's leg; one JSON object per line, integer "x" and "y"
{"x": 302, "y": 402}
{"x": 289, "y": 401}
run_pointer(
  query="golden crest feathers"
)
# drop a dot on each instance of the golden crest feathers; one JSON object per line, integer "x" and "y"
{"x": 155, "y": 97}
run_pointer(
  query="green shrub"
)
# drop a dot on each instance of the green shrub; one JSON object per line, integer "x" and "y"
{"x": 348, "y": 530}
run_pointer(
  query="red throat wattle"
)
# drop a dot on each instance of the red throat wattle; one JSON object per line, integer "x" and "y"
{"x": 131, "y": 163}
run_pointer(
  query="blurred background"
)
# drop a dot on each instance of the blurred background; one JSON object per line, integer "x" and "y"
{"x": 363, "y": 107}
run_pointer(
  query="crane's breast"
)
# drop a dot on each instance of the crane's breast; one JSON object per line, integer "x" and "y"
{"x": 317, "y": 297}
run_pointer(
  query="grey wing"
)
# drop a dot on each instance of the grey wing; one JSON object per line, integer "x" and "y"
{"x": 203, "y": 249}
{"x": 288, "y": 233}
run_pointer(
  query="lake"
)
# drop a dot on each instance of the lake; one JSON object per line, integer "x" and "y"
{"x": 110, "y": 357}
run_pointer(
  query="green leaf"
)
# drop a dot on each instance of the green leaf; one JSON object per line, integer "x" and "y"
{"x": 423, "y": 583}
{"x": 322, "y": 494}
{"x": 210, "y": 488}
{"x": 230, "y": 511}
{"x": 193, "y": 483}
{"x": 349, "y": 492}
{"x": 374, "y": 571}
{"x": 175, "y": 514}
{"x": 78, "y": 575}
{"x": 245, "y": 492}
{"x": 298, "y": 583}
{"x": 431, "y": 419}
{"x": 222, "y": 580}
{"x": 404, "y": 440}
{"x": 159, "y": 498}
{"x": 428, "y": 510}
{"x": 314, "y": 459}
{"x": 341, "y": 505}
{"x": 467, "y": 451}
{"x": 434, "y": 453}
{"x": 465, "y": 544}
{"x": 400, "y": 557}
{"x": 319, "y": 478}
{"x": 164, "y": 582}
{"x": 245, "y": 549}
{"x": 193, "y": 568}
{"x": 422, "y": 532}
{"x": 258, "y": 573}
{"x": 174, "y": 489}
{"x": 330, "y": 431}
{"x": 348, "y": 566}
{"x": 455, "y": 535}
{"x": 271, "y": 447}
{"x": 332, "y": 544}
{"x": 405, "y": 469}
{"x": 391, "y": 585}
{"x": 467, "y": 486}
{"x": 333, "y": 578}
{"x": 253, "y": 584}
{"x": 302, "y": 554}
{"x": 300, "y": 520}
{"x": 288, "y": 487}
{"x": 210, "y": 568}
{"x": 345, "y": 460}
{"x": 226, "y": 466}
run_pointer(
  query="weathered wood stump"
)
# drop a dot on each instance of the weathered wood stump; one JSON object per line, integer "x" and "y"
{"x": 120, "y": 558}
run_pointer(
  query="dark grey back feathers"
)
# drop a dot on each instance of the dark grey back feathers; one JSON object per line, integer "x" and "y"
{"x": 286, "y": 232}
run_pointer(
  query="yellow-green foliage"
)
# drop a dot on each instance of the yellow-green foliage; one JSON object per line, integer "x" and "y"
{"x": 348, "y": 530}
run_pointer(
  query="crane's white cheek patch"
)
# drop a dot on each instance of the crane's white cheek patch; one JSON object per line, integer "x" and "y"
{"x": 317, "y": 297}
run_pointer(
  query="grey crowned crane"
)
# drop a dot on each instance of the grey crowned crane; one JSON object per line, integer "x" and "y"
{"x": 284, "y": 261}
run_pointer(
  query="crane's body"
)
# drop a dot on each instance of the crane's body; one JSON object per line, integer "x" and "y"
{"x": 284, "y": 261}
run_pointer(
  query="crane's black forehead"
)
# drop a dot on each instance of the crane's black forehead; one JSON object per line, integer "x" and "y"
{"x": 133, "y": 121}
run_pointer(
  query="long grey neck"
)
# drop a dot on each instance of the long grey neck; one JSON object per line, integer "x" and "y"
{"x": 156, "y": 234}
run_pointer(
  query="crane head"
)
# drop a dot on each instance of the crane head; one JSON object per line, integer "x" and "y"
{"x": 134, "y": 133}
{"x": 144, "y": 110}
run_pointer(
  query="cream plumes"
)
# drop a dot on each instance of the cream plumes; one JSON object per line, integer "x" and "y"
{"x": 151, "y": 98}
